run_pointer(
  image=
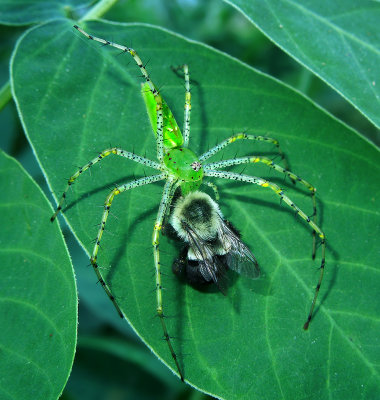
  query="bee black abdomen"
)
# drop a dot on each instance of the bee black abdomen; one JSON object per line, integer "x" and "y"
{"x": 188, "y": 270}
{"x": 193, "y": 274}
{"x": 179, "y": 264}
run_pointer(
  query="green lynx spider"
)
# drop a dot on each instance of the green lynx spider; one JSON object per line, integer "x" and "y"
{"x": 180, "y": 168}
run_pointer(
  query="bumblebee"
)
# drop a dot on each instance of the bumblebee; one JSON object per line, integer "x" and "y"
{"x": 212, "y": 244}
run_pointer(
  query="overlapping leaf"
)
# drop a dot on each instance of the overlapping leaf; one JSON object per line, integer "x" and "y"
{"x": 24, "y": 12}
{"x": 338, "y": 41}
{"x": 38, "y": 302}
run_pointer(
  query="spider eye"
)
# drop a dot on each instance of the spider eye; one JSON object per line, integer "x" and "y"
{"x": 196, "y": 165}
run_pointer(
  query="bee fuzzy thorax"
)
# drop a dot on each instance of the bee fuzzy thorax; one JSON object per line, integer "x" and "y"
{"x": 200, "y": 213}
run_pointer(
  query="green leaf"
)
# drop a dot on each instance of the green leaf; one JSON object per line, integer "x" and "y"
{"x": 24, "y": 12}
{"x": 38, "y": 302}
{"x": 337, "y": 41}
{"x": 77, "y": 98}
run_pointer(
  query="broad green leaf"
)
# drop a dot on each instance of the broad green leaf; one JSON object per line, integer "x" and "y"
{"x": 24, "y": 12}
{"x": 38, "y": 302}
{"x": 76, "y": 98}
{"x": 338, "y": 41}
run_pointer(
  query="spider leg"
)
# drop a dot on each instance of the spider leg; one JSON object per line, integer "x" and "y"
{"x": 289, "y": 202}
{"x": 214, "y": 188}
{"x": 167, "y": 196}
{"x": 186, "y": 120}
{"x": 155, "y": 92}
{"x": 271, "y": 164}
{"x": 107, "y": 206}
{"x": 104, "y": 153}
{"x": 244, "y": 136}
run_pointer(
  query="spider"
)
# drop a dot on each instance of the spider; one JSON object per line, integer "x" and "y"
{"x": 183, "y": 172}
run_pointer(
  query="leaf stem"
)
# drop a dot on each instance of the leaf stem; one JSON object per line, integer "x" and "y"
{"x": 5, "y": 95}
{"x": 99, "y": 9}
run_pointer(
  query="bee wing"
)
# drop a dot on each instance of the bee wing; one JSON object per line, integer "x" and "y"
{"x": 239, "y": 257}
{"x": 210, "y": 265}
{"x": 243, "y": 266}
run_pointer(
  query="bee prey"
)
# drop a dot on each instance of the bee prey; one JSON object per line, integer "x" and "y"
{"x": 213, "y": 245}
